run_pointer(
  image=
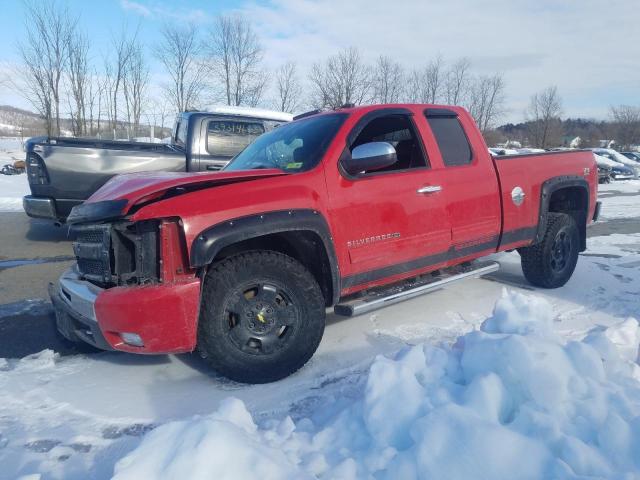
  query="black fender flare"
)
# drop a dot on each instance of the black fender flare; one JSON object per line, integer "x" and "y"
{"x": 548, "y": 188}
{"x": 212, "y": 240}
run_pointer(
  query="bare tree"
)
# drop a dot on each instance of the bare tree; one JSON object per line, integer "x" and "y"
{"x": 94, "y": 100}
{"x": 486, "y": 100}
{"x": 456, "y": 82}
{"x": 543, "y": 117}
{"x": 44, "y": 55}
{"x": 178, "y": 52}
{"x": 115, "y": 70}
{"x": 236, "y": 59}
{"x": 162, "y": 110}
{"x": 79, "y": 80}
{"x": 135, "y": 82}
{"x": 288, "y": 88}
{"x": 416, "y": 87}
{"x": 35, "y": 87}
{"x": 342, "y": 79}
{"x": 388, "y": 80}
{"x": 434, "y": 77}
{"x": 425, "y": 84}
{"x": 626, "y": 125}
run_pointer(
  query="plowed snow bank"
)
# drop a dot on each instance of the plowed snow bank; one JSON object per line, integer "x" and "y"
{"x": 512, "y": 400}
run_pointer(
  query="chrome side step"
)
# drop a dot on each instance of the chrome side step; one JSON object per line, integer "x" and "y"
{"x": 404, "y": 291}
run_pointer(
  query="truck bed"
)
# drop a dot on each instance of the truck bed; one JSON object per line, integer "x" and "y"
{"x": 77, "y": 167}
{"x": 110, "y": 144}
{"x": 531, "y": 172}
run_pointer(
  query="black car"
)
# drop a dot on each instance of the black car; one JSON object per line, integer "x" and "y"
{"x": 622, "y": 172}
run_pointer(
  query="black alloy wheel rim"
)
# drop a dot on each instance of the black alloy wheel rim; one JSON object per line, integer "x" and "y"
{"x": 261, "y": 318}
{"x": 561, "y": 251}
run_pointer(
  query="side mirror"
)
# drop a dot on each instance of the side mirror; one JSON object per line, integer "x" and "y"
{"x": 370, "y": 156}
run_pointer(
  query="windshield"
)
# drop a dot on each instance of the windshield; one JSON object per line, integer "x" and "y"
{"x": 293, "y": 147}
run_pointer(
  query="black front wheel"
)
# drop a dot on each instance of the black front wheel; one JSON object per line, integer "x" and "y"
{"x": 550, "y": 263}
{"x": 262, "y": 317}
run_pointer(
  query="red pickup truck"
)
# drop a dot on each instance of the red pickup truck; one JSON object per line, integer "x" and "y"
{"x": 241, "y": 264}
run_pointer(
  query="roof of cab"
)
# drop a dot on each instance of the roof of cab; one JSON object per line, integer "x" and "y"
{"x": 249, "y": 112}
{"x": 350, "y": 108}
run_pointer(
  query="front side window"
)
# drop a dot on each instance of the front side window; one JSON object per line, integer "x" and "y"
{"x": 452, "y": 141}
{"x": 293, "y": 147}
{"x": 225, "y": 138}
{"x": 399, "y": 132}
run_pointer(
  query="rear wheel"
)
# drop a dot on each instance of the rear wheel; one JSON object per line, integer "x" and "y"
{"x": 550, "y": 263}
{"x": 262, "y": 317}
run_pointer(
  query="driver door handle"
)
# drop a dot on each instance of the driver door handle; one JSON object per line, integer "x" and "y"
{"x": 430, "y": 189}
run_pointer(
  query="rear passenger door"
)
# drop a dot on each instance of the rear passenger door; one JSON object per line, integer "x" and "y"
{"x": 470, "y": 183}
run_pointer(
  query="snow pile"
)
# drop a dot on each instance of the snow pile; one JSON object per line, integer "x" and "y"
{"x": 510, "y": 400}
{"x": 12, "y": 189}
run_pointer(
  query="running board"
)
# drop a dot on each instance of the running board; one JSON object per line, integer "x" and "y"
{"x": 399, "y": 292}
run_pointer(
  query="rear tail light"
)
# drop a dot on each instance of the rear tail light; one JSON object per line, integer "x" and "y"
{"x": 36, "y": 170}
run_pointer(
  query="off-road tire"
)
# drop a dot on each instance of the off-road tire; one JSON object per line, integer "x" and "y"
{"x": 225, "y": 307}
{"x": 551, "y": 262}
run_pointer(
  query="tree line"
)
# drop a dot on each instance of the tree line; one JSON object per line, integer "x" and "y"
{"x": 224, "y": 63}
{"x": 544, "y": 128}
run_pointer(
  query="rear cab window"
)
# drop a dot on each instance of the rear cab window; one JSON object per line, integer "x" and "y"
{"x": 227, "y": 137}
{"x": 451, "y": 138}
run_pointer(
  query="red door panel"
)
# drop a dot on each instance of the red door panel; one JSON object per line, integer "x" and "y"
{"x": 402, "y": 226}
{"x": 471, "y": 191}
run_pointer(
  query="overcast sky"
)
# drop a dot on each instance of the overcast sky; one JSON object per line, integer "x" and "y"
{"x": 590, "y": 49}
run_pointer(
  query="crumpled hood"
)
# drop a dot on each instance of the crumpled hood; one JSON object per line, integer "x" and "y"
{"x": 137, "y": 186}
{"x": 120, "y": 193}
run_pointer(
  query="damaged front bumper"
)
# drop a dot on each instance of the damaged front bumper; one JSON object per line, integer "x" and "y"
{"x": 150, "y": 319}
{"x": 74, "y": 304}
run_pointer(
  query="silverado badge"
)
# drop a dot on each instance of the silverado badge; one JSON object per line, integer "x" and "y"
{"x": 374, "y": 239}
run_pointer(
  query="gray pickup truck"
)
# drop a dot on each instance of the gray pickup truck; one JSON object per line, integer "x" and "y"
{"x": 63, "y": 172}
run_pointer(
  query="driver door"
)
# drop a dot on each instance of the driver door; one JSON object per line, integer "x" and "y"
{"x": 391, "y": 221}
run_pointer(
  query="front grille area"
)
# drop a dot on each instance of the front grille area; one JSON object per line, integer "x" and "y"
{"x": 121, "y": 253}
{"x": 91, "y": 267}
{"x": 92, "y": 235}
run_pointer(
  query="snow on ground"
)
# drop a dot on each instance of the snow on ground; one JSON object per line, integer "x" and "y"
{"x": 511, "y": 397}
{"x": 538, "y": 389}
{"x": 620, "y": 199}
{"x": 12, "y": 187}
{"x": 452, "y": 388}
{"x": 10, "y": 150}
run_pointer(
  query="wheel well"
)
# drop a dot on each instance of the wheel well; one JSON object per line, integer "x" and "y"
{"x": 573, "y": 201}
{"x": 303, "y": 245}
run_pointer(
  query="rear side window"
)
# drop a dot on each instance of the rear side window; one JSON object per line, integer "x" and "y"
{"x": 226, "y": 138}
{"x": 452, "y": 141}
